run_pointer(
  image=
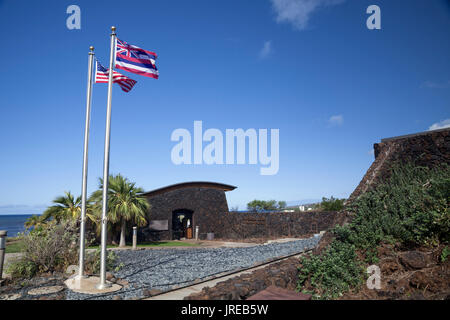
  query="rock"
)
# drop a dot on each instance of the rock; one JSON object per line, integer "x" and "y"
{"x": 72, "y": 269}
{"x": 117, "y": 298}
{"x": 122, "y": 282}
{"x": 414, "y": 259}
{"x": 155, "y": 292}
{"x": 146, "y": 293}
{"x": 151, "y": 292}
{"x": 109, "y": 276}
{"x": 13, "y": 296}
{"x": 45, "y": 290}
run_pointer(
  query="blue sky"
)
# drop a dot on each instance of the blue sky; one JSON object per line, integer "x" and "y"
{"x": 311, "y": 69}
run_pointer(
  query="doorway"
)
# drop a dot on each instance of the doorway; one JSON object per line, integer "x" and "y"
{"x": 182, "y": 224}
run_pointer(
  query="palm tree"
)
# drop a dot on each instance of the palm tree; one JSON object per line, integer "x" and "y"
{"x": 125, "y": 203}
{"x": 65, "y": 207}
{"x": 33, "y": 221}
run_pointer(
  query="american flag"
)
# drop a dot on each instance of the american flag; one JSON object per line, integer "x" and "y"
{"x": 134, "y": 59}
{"x": 102, "y": 74}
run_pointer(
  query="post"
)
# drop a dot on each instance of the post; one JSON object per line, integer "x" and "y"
{"x": 85, "y": 163}
{"x": 103, "y": 284}
{"x": 3, "y": 234}
{"x": 196, "y": 232}
{"x": 134, "y": 238}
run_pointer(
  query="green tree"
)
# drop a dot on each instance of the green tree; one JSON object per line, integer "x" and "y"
{"x": 64, "y": 207}
{"x": 261, "y": 205}
{"x": 125, "y": 204}
{"x": 255, "y": 205}
{"x": 33, "y": 222}
{"x": 332, "y": 204}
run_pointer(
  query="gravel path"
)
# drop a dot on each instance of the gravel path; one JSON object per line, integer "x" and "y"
{"x": 164, "y": 269}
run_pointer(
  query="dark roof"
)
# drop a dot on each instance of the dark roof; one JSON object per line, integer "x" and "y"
{"x": 191, "y": 184}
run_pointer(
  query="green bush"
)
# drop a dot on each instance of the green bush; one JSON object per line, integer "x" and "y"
{"x": 22, "y": 269}
{"x": 48, "y": 248}
{"x": 411, "y": 209}
{"x": 93, "y": 262}
{"x": 332, "y": 204}
{"x": 445, "y": 253}
{"x": 333, "y": 272}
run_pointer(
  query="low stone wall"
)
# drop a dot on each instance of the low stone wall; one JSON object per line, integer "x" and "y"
{"x": 282, "y": 274}
{"x": 247, "y": 225}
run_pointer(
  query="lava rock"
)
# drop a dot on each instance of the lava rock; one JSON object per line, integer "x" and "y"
{"x": 414, "y": 259}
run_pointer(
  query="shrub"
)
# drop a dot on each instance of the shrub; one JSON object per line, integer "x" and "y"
{"x": 410, "y": 209}
{"x": 445, "y": 253}
{"x": 332, "y": 273}
{"x": 22, "y": 269}
{"x": 48, "y": 248}
{"x": 53, "y": 247}
{"x": 92, "y": 263}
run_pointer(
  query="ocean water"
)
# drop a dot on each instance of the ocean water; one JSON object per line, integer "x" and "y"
{"x": 13, "y": 223}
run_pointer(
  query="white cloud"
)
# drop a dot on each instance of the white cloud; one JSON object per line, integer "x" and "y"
{"x": 266, "y": 50}
{"x": 336, "y": 120}
{"x": 440, "y": 125}
{"x": 298, "y": 12}
{"x": 436, "y": 85}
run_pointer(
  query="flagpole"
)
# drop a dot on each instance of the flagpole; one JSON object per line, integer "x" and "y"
{"x": 85, "y": 165}
{"x": 103, "y": 284}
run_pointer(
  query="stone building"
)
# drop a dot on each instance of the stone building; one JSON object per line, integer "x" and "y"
{"x": 178, "y": 208}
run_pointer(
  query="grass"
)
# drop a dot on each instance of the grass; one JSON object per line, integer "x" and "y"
{"x": 14, "y": 247}
{"x": 155, "y": 244}
{"x": 17, "y": 245}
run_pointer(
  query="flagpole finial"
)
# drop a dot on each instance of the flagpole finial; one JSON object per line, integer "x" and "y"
{"x": 91, "y": 48}
{"x": 113, "y": 29}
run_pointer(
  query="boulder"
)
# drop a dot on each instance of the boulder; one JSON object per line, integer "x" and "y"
{"x": 45, "y": 290}
{"x": 14, "y": 296}
{"x": 122, "y": 282}
{"x": 151, "y": 292}
{"x": 72, "y": 269}
{"x": 109, "y": 276}
{"x": 414, "y": 260}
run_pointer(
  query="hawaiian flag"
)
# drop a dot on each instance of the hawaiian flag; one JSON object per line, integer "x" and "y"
{"x": 102, "y": 76}
{"x": 134, "y": 59}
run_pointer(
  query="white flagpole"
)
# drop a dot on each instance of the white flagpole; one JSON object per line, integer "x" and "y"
{"x": 85, "y": 164}
{"x": 103, "y": 284}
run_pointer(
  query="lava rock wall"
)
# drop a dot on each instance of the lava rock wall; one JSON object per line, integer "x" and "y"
{"x": 430, "y": 148}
